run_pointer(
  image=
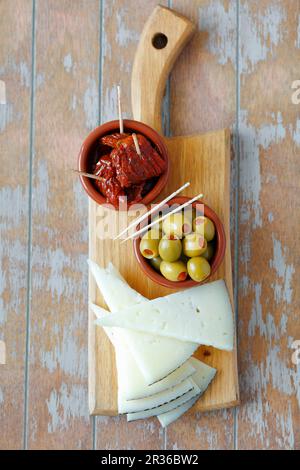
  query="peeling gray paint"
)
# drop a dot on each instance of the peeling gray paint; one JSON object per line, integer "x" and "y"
{"x": 68, "y": 63}
{"x": 67, "y": 355}
{"x": 25, "y": 75}
{"x": 42, "y": 188}
{"x": 125, "y": 35}
{"x": 284, "y": 271}
{"x": 12, "y": 206}
{"x": 298, "y": 33}
{"x": 220, "y": 23}
{"x": 64, "y": 406}
{"x": 40, "y": 79}
{"x": 110, "y": 104}
{"x": 73, "y": 102}
{"x": 295, "y": 132}
{"x": 250, "y": 170}
{"x": 91, "y": 104}
{"x": 6, "y": 115}
{"x": 81, "y": 208}
{"x": 261, "y": 32}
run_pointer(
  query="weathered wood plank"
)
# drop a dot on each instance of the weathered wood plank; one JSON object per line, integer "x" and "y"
{"x": 122, "y": 25}
{"x": 202, "y": 99}
{"x": 269, "y": 223}
{"x": 15, "y": 71}
{"x": 67, "y": 64}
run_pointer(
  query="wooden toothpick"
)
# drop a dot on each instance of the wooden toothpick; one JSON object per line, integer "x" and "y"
{"x": 155, "y": 222}
{"x": 154, "y": 209}
{"x": 121, "y": 124}
{"x": 136, "y": 143}
{"x": 89, "y": 175}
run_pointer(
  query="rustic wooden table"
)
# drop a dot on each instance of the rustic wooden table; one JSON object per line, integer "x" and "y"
{"x": 61, "y": 61}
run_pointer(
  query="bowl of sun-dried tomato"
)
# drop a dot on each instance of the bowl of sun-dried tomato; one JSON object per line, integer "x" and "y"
{"x": 126, "y": 173}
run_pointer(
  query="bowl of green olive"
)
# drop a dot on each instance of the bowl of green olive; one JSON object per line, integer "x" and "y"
{"x": 184, "y": 249}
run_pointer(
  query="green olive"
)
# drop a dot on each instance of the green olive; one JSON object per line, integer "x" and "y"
{"x": 169, "y": 249}
{"x": 209, "y": 252}
{"x": 149, "y": 244}
{"x": 194, "y": 244}
{"x": 177, "y": 224}
{"x": 198, "y": 268}
{"x": 155, "y": 262}
{"x": 205, "y": 227}
{"x": 175, "y": 272}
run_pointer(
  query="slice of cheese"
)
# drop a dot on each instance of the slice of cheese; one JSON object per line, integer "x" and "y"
{"x": 154, "y": 401}
{"x": 130, "y": 379}
{"x": 201, "y": 315}
{"x": 166, "y": 407}
{"x": 147, "y": 349}
{"x": 167, "y": 418}
{"x": 203, "y": 376}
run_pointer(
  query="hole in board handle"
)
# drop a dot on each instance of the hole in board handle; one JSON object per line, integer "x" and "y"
{"x": 159, "y": 41}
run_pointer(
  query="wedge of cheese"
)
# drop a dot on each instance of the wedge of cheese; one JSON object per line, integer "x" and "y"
{"x": 130, "y": 379}
{"x": 200, "y": 315}
{"x": 147, "y": 349}
{"x": 166, "y": 407}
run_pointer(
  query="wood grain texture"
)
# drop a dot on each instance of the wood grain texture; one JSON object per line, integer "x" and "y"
{"x": 152, "y": 65}
{"x": 15, "y": 71}
{"x": 122, "y": 26}
{"x": 66, "y": 97}
{"x": 269, "y": 223}
{"x": 202, "y": 98}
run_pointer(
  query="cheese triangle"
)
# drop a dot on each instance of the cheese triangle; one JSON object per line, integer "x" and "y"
{"x": 131, "y": 382}
{"x": 147, "y": 349}
{"x": 200, "y": 315}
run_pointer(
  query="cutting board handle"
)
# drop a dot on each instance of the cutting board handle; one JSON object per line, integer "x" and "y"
{"x": 163, "y": 37}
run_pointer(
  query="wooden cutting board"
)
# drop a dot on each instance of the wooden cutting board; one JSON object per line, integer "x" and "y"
{"x": 204, "y": 160}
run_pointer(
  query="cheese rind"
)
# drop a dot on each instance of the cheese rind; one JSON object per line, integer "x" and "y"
{"x": 204, "y": 373}
{"x": 166, "y": 407}
{"x": 201, "y": 315}
{"x": 203, "y": 376}
{"x": 147, "y": 349}
{"x": 170, "y": 416}
{"x": 154, "y": 401}
{"x": 130, "y": 379}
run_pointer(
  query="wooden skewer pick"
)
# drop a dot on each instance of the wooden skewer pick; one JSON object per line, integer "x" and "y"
{"x": 89, "y": 175}
{"x": 155, "y": 222}
{"x": 136, "y": 143}
{"x": 154, "y": 209}
{"x": 121, "y": 124}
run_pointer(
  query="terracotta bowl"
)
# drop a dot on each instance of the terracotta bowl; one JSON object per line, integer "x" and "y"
{"x": 220, "y": 245}
{"x": 87, "y": 157}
